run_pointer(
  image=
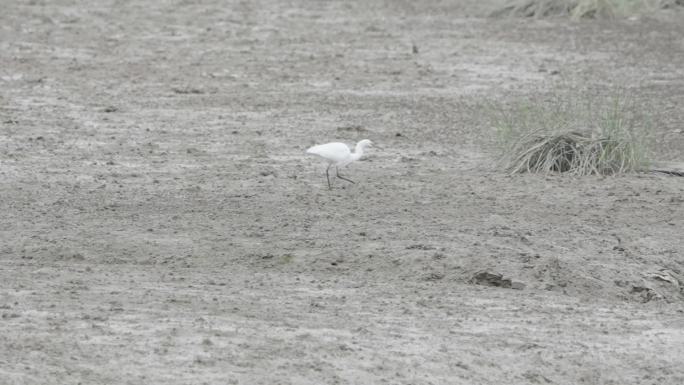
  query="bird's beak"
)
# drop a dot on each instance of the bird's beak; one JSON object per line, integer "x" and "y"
{"x": 378, "y": 147}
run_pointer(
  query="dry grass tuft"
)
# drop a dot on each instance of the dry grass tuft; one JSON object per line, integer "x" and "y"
{"x": 567, "y": 139}
{"x": 579, "y": 153}
{"x": 583, "y": 9}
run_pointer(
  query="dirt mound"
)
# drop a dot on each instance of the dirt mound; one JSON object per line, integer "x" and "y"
{"x": 582, "y": 9}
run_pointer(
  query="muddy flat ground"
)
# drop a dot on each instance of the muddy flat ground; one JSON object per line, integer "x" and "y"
{"x": 161, "y": 224}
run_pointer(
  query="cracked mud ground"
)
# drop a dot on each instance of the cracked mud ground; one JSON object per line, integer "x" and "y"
{"x": 162, "y": 225}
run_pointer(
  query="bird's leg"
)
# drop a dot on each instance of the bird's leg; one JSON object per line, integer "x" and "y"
{"x": 328, "y": 177}
{"x": 341, "y": 177}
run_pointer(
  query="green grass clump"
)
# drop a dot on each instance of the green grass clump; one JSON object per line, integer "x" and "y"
{"x": 571, "y": 138}
{"x": 583, "y": 9}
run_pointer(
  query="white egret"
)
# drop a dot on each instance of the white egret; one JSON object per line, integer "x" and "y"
{"x": 338, "y": 155}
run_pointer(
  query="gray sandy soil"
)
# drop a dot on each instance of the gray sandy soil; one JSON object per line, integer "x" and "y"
{"x": 161, "y": 223}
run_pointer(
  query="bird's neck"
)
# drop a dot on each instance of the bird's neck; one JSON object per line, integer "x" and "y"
{"x": 358, "y": 152}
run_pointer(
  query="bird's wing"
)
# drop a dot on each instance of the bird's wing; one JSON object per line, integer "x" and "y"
{"x": 334, "y": 152}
